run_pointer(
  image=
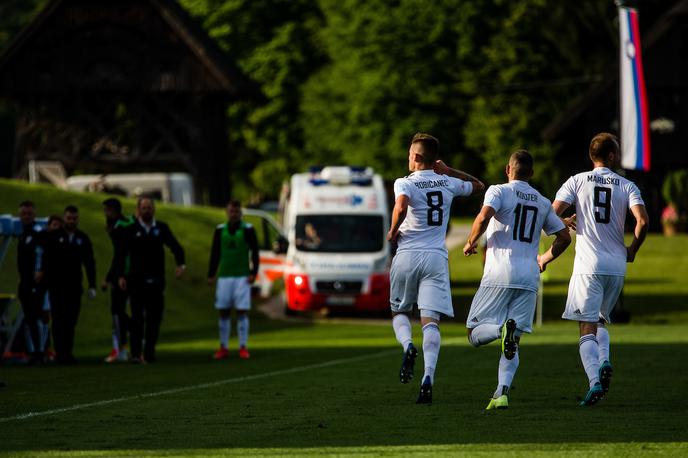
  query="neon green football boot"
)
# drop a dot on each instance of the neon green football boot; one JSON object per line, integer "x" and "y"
{"x": 501, "y": 402}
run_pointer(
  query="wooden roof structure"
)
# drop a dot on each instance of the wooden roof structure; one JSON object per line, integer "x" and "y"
{"x": 123, "y": 85}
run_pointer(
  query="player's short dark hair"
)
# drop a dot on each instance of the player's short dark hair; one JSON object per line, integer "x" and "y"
{"x": 430, "y": 146}
{"x": 521, "y": 163}
{"x": 26, "y": 203}
{"x": 143, "y": 197}
{"x": 602, "y": 144}
{"x": 234, "y": 203}
{"x": 114, "y": 204}
{"x": 71, "y": 209}
{"x": 52, "y": 218}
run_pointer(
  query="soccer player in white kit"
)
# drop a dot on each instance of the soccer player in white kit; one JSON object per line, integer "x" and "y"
{"x": 514, "y": 215}
{"x": 420, "y": 270}
{"x": 602, "y": 199}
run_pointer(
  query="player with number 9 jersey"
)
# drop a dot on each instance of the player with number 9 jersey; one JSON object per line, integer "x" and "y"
{"x": 602, "y": 200}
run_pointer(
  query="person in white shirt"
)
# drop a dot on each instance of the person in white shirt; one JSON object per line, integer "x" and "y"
{"x": 514, "y": 214}
{"x": 420, "y": 271}
{"x": 602, "y": 199}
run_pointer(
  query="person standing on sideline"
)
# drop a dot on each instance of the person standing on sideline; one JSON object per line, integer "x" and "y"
{"x": 233, "y": 243}
{"x": 602, "y": 199}
{"x": 115, "y": 222}
{"x": 143, "y": 245}
{"x": 30, "y": 291}
{"x": 54, "y": 224}
{"x": 420, "y": 271}
{"x": 67, "y": 252}
{"x": 514, "y": 215}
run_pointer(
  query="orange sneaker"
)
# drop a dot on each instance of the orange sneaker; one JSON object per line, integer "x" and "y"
{"x": 243, "y": 353}
{"x": 113, "y": 356}
{"x": 222, "y": 353}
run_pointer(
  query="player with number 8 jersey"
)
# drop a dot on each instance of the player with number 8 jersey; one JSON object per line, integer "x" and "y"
{"x": 420, "y": 272}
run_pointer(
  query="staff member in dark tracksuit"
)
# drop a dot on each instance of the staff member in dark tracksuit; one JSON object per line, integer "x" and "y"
{"x": 30, "y": 292}
{"x": 143, "y": 242}
{"x": 115, "y": 223}
{"x": 67, "y": 252}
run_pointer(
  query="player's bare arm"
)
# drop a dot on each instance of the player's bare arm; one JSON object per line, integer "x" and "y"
{"x": 398, "y": 216}
{"x": 560, "y": 207}
{"x": 641, "y": 225}
{"x": 443, "y": 169}
{"x": 559, "y": 245}
{"x": 478, "y": 229}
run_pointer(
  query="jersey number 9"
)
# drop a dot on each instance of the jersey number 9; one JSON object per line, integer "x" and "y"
{"x": 603, "y": 204}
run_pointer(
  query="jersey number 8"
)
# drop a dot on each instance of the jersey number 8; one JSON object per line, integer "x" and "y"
{"x": 435, "y": 212}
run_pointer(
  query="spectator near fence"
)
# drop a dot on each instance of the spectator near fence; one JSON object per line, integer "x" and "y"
{"x": 143, "y": 244}
{"x": 30, "y": 292}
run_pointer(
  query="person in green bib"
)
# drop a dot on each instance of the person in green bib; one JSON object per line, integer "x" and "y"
{"x": 231, "y": 270}
{"x": 115, "y": 224}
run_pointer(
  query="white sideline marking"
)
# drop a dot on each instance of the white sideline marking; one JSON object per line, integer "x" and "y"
{"x": 182, "y": 389}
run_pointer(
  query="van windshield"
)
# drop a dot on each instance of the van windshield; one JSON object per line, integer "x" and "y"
{"x": 339, "y": 233}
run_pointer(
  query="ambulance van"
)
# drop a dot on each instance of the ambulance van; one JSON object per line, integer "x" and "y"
{"x": 336, "y": 221}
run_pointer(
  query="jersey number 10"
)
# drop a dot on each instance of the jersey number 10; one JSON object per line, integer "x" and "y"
{"x": 520, "y": 221}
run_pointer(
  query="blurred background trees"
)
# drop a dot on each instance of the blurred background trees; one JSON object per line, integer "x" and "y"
{"x": 350, "y": 81}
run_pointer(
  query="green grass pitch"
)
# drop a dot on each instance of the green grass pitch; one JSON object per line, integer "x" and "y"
{"x": 330, "y": 388}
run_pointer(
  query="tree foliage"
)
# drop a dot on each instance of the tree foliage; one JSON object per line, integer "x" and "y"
{"x": 350, "y": 81}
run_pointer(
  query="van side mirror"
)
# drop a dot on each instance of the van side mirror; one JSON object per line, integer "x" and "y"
{"x": 280, "y": 245}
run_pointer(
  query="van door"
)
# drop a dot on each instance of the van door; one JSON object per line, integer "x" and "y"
{"x": 272, "y": 245}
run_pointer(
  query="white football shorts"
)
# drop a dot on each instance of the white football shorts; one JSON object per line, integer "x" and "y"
{"x": 592, "y": 297}
{"x": 496, "y": 304}
{"x": 420, "y": 277}
{"x": 233, "y": 292}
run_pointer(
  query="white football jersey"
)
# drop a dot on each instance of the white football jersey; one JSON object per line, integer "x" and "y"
{"x": 430, "y": 198}
{"x": 513, "y": 234}
{"x": 602, "y": 200}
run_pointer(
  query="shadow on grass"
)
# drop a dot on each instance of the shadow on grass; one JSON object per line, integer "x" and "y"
{"x": 357, "y": 403}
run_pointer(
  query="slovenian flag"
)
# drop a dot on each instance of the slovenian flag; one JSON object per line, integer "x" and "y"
{"x": 635, "y": 124}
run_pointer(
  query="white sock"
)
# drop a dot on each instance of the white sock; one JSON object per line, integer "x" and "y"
{"x": 242, "y": 330}
{"x": 484, "y": 334}
{"x": 589, "y": 353}
{"x": 115, "y": 332}
{"x": 431, "y": 349}
{"x": 603, "y": 343}
{"x": 402, "y": 329}
{"x": 507, "y": 370}
{"x": 224, "y": 325}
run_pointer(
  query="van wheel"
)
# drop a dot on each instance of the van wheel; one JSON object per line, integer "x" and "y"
{"x": 289, "y": 312}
